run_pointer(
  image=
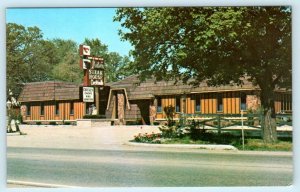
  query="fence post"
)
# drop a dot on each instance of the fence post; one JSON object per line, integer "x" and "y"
{"x": 219, "y": 124}
{"x": 262, "y": 123}
{"x": 243, "y": 136}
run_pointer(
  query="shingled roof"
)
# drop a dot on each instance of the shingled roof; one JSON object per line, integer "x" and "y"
{"x": 149, "y": 88}
{"x": 48, "y": 91}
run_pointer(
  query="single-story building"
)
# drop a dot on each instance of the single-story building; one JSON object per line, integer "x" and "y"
{"x": 131, "y": 100}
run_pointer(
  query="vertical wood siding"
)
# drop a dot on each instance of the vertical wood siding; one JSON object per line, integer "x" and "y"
{"x": 283, "y": 102}
{"x": 208, "y": 103}
{"x": 49, "y": 111}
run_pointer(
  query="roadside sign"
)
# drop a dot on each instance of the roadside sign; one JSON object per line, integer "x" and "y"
{"x": 97, "y": 82}
{"x": 86, "y": 63}
{"x": 84, "y": 50}
{"x": 88, "y": 94}
{"x": 98, "y": 64}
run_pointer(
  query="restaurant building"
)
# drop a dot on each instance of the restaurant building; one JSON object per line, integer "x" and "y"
{"x": 131, "y": 101}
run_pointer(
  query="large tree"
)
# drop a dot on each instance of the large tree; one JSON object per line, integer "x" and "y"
{"x": 219, "y": 44}
{"x": 28, "y": 57}
{"x": 66, "y": 65}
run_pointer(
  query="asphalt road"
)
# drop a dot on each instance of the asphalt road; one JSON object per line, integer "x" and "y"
{"x": 147, "y": 168}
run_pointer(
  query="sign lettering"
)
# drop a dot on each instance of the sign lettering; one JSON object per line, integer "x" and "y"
{"x": 88, "y": 94}
{"x": 95, "y": 74}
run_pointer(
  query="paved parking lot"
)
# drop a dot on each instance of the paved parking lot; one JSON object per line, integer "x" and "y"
{"x": 76, "y": 137}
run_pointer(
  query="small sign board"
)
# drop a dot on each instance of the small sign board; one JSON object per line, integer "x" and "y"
{"x": 97, "y": 82}
{"x": 88, "y": 94}
{"x": 84, "y": 50}
{"x": 98, "y": 64}
{"x": 86, "y": 63}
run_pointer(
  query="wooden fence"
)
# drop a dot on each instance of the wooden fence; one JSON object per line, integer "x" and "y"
{"x": 230, "y": 122}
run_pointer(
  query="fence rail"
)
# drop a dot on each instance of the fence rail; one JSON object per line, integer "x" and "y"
{"x": 222, "y": 122}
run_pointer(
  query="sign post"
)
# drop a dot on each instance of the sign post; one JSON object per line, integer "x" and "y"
{"x": 93, "y": 80}
{"x": 243, "y": 137}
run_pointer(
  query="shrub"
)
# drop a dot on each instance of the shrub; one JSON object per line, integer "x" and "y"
{"x": 148, "y": 138}
{"x": 170, "y": 113}
{"x": 136, "y": 122}
{"x": 67, "y": 123}
{"x": 94, "y": 117}
{"x": 38, "y": 123}
{"x": 52, "y": 123}
{"x": 195, "y": 131}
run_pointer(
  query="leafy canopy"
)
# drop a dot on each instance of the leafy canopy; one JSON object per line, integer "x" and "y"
{"x": 218, "y": 44}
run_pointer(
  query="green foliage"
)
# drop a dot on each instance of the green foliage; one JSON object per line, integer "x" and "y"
{"x": 94, "y": 117}
{"x": 222, "y": 45}
{"x": 195, "y": 131}
{"x": 172, "y": 129}
{"x": 258, "y": 144}
{"x": 28, "y": 57}
{"x": 134, "y": 122}
{"x": 52, "y": 123}
{"x": 170, "y": 113}
{"x": 31, "y": 58}
{"x": 66, "y": 66}
{"x": 148, "y": 138}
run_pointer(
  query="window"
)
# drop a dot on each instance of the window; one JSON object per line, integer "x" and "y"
{"x": 28, "y": 109}
{"x": 177, "y": 105}
{"x": 42, "y": 109}
{"x": 286, "y": 102}
{"x": 72, "y": 108}
{"x": 56, "y": 108}
{"x": 198, "y": 103}
{"x": 219, "y": 102}
{"x": 243, "y": 101}
{"x": 159, "y": 107}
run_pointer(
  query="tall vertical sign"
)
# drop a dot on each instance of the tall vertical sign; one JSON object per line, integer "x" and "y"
{"x": 93, "y": 80}
{"x": 92, "y": 66}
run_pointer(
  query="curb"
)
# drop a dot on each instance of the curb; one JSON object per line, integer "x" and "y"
{"x": 43, "y": 185}
{"x": 186, "y": 146}
{"x": 13, "y": 134}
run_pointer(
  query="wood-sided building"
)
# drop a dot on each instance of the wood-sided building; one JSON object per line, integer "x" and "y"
{"x": 51, "y": 101}
{"x": 130, "y": 100}
{"x": 146, "y": 100}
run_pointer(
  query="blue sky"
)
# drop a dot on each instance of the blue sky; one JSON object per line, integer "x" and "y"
{"x": 73, "y": 23}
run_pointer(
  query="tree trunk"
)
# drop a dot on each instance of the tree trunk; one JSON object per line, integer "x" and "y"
{"x": 269, "y": 121}
{"x": 269, "y": 127}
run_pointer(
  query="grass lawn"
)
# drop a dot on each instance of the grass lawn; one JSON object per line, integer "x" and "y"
{"x": 250, "y": 144}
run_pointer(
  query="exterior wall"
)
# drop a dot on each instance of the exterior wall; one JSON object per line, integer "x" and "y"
{"x": 121, "y": 108}
{"x": 49, "y": 111}
{"x": 139, "y": 111}
{"x": 231, "y": 103}
{"x": 283, "y": 103}
{"x": 146, "y": 110}
{"x": 110, "y": 112}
